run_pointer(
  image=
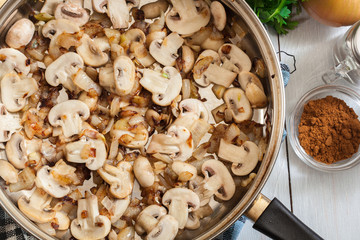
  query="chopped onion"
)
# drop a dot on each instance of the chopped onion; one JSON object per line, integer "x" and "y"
{"x": 186, "y": 89}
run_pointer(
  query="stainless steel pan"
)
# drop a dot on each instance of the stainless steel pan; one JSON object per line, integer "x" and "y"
{"x": 270, "y": 218}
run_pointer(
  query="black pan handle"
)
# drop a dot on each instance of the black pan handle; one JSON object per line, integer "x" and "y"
{"x": 277, "y": 222}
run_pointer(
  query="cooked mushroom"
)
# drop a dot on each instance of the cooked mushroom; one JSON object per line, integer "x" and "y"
{"x": 237, "y": 102}
{"x": 144, "y": 172}
{"x": 166, "y": 229}
{"x": 253, "y": 88}
{"x": 185, "y": 171}
{"x": 120, "y": 178}
{"x": 194, "y": 107}
{"x": 13, "y": 60}
{"x": 50, "y": 6}
{"x": 187, "y": 16}
{"x": 92, "y": 152}
{"x": 72, "y": 12}
{"x": 62, "y": 70}
{"x": 69, "y": 116}
{"x": 165, "y": 51}
{"x": 244, "y": 158}
{"x": 8, "y": 172}
{"x": 194, "y": 217}
{"x": 15, "y": 91}
{"x": 60, "y": 223}
{"x": 181, "y": 201}
{"x": 124, "y": 75}
{"x": 91, "y": 53}
{"x": 177, "y": 143}
{"x": 20, "y": 33}
{"x": 149, "y": 218}
{"x": 89, "y": 224}
{"x": 164, "y": 86}
{"x": 219, "y": 15}
{"x": 236, "y": 56}
{"x": 9, "y": 124}
{"x": 84, "y": 82}
{"x": 37, "y": 207}
{"x": 116, "y": 207}
{"x": 154, "y": 9}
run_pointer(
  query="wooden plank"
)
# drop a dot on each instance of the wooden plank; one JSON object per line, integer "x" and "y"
{"x": 327, "y": 202}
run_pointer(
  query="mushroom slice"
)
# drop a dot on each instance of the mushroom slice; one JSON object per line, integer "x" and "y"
{"x": 177, "y": 143}
{"x": 20, "y": 33}
{"x": 165, "y": 51}
{"x": 116, "y": 207}
{"x": 187, "y": 16}
{"x": 92, "y": 152}
{"x": 60, "y": 222}
{"x": 155, "y": 9}
{"x": 9, "y": 124}
{"x": 185, "y": 171}
{"x": 164, "y": 86}
{"x": 181, "y": 201}
{"x": 244, "y": 158}
{"x": 37, "y": 207}
{"x": 13, "y": 60}
{"x": 237, "y": 102}
{"x": 253, "y": 88}
{"x": 194, "y": 106}
{"x": 166, "y": 229}
{"x": 218, "y": 180}
{"x": 118, "y": 13}
{"x": 69, "y": 115}
{"x": 124, "y": 75}
{"x": 72, "y": 12}
{"x": 89, "y": 224}
{"x": 8, "y": 172}
{"x": 62, "y": 70}
{"x": 144, "y": 172}
{"x": 56, "y": 27}
{"x": 15, "y": 91}
{"x": 83, "y": 81}
{"x": 149, "y": 218}
{"x": 130, "y": 131}
{"x": 50, "y": 6}
{"x": 91, "y": 52}
{"x": 120, "y": 178}
{"x": 187, "y": 60}
{"x": 236, "y": 56}
{"x": 219, "y": 15}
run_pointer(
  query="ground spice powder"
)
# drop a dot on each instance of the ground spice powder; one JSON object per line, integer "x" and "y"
{"x": 329, "y": 130}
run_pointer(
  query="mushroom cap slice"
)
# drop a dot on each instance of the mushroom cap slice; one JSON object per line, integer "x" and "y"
{"x": 149, "y": 218}
{"x": 187, "y": 16}
{"x": 99, "y": 5}
{"x": 120, "y": 178}
{"x": 166, "y": 229}
{"x": 185, "y": 171}
{"x": 253, "y": 88}
{"x": 165, "y": 86}
{"x": 124, "y": 75}
{"x": 62, "y": 70}
{"x": 20, "y": 33}
{"x": 89, "y": 224}
{"x": 181, "y": 201}
{"x": 13, "y": 60}
{"x": 72, "y": 12}
{"x": 194, "y": 106}
{"x": 219, "y": 15}
{"x": 91, "y": 52}
{"x": 69, "y": 115}
{"x": 118, "y": 208}
{"x": 218, "y": 179}
{"x": 244, "y": 158}
{"x": 37, "y": 207}
{"x": 9, "y": 124}
{"x": 155, "y": 9}
{"x": 56, "y": 27}
{"x": 118, "y": 13}
{"x": 237, "y": 102}
{"x": 205, "y": 59}
{"x": 50, "y": 6}
{"x": 144, "y": 172}
{"x": 236, "y": 56}
{"x": 165, "y": 51}
{"x": 8, "y": 172}
{"x": 15, "y": 91}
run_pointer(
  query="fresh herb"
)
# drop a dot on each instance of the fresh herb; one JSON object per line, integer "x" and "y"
{"x": 277, "y": 13}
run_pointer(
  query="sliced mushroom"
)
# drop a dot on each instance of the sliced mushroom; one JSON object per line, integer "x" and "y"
{"x": 83, "y": 81}
{"x": 149, "y": 218}
{"x": 120, "y": 178}
{"x": 236, "y": 56}
{"x": 188, "y": 16}
{"x": 60, "y": 223}
{"x": 142, "y": 55}
{"x": 181, "y": 201}
{"x": 144, "y": 172}
{"x": 89, "y": 224}
{"x": 154, "y": 9}
{"x": 50, "y": 6}
{"x": 26, "y": 180}
{"x": 185, "y": 171}
{"x": 99, "y": 5}
{"x": 164, "y": 86}
{"x": 177, "y": 143}
{"x": 218, "y": 179}
{"x": 13, "y": 60}
{"x": 37, "y": 207}
{"x": 116, "y": 208}
{"x": 253, "y": 88}
{"x": 219, "y": 15}
{"x": 124, "y": 75}
{"x": 69, "y": 116}
{"x": 72, "y": 12}
{"x": 194, "y": 217}
{"x": 9, "y": 124}
{"x": 195, "y": 107}
{"x": 20, "y": 33}
{"x": 92, "y": 152}
{"x": 91, "y": 52}
{"x": 54, "y": 28}
{"x": 62, "y": 70}
{"x": 8, "y": 172}
{"x": 237, "y": 102}
{"x": 15, "y": 91}
{"x": 165, "y": 51}
{"x": 244, "y": 158}
{"x": 166, "y": 229}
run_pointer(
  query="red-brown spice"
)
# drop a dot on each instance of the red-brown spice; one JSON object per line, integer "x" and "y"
{"x": 329, "y": 130}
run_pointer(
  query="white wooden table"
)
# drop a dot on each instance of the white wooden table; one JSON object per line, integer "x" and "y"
{"x": 329, "y": 203}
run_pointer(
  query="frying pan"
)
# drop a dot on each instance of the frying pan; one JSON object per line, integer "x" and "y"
{"x": 270, "y": 217}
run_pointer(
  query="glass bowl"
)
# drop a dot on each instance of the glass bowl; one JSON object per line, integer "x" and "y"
{"x": 350, "y": 97}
